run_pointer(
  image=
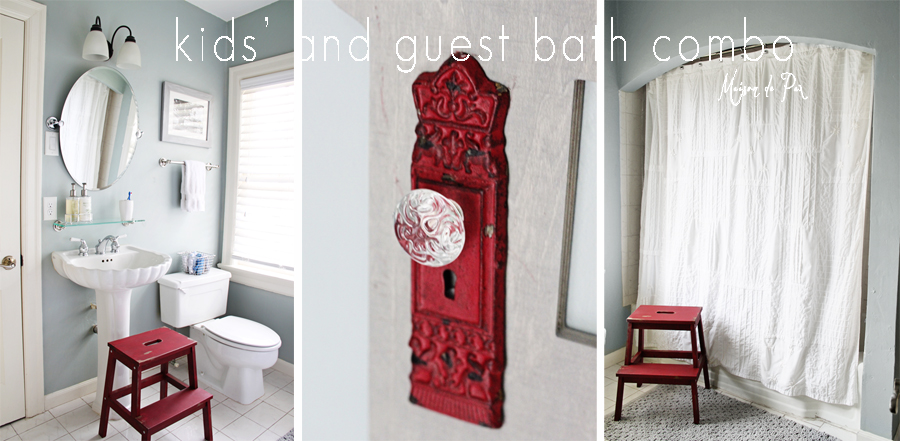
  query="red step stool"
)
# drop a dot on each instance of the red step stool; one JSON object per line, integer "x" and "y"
{"x": 145, "y": 351}
{"x": 673, "y": 318}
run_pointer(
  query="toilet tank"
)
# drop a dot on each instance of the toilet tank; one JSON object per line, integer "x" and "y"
{"x": 186, "y": 299}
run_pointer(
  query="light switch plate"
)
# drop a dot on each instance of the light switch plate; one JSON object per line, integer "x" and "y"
{"x": 51, "y": 144}
{"x": 49, "y": 208}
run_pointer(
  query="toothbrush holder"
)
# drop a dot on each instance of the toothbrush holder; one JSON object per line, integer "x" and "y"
{"x": 126, "y": 209}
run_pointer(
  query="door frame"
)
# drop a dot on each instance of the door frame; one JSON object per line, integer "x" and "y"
{"x": 35, "y": 17}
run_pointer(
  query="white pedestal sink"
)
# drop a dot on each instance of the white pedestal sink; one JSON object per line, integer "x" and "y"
{"x": 112, "y": 276}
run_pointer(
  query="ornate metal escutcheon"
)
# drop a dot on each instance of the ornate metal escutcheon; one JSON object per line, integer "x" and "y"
{"x": 458, "y": 310}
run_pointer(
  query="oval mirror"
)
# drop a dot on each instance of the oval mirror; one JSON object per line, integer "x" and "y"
{"x": 100, "y": 128}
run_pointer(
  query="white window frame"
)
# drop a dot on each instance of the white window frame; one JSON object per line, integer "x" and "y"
{"x": 252, "y": 276}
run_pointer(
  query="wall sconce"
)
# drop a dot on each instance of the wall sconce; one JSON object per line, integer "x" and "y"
{"x": 97, "y": 48}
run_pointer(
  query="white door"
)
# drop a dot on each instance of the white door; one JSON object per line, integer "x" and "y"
{"x": 12, "y": 371}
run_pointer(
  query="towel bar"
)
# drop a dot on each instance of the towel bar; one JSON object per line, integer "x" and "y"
{"x": 164, "y": 162}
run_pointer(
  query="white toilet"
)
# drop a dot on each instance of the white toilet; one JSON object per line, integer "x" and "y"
{"x": 231, "y": 351}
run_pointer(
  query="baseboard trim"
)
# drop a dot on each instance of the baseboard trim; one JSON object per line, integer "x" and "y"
{"x": 846, "y": 417}
{"x": 614, "y": 357}
{"x": 70, "y": 393}
{"x": 862, "y": 435}
{"x": 284, "y": 367}
{"x": 79, "y": 390}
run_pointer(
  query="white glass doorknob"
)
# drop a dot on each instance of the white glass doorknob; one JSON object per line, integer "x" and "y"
{"x": 429, "y": 227}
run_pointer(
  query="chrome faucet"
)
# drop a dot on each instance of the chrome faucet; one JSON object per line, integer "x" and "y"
{"x": 112, "y": 241}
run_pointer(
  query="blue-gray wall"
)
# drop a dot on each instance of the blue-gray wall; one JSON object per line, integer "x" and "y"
{"x": 70, "y": 349}
{"x": 335, "y": 235}
{"x": 867, "y": 24}
{"x": 275, "y": 39}
{"x": 273, "y": 310}
{"x": 614, "y": 314}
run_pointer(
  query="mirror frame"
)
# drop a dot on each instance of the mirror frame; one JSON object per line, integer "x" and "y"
{"x": 63, "y": 122}
{"x": 563, "y": 330}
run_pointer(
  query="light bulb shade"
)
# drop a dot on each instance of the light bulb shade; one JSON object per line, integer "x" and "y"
{"x": 95, "y": 47}
{"x": 129, "y": 55}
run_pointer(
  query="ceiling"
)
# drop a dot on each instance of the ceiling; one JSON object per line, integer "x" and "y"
{"x": 228, "y": 9}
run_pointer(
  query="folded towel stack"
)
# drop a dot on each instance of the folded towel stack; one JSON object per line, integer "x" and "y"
{"x": 193, "y": 186}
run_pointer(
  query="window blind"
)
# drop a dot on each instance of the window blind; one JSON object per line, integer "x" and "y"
{"x": 265, "y": 203}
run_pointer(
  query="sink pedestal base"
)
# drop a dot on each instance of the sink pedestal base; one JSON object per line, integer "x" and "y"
{"x": 113, "y": 323}
{"x": 111, "y": 276}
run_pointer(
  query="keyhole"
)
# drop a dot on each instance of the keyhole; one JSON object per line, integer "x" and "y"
{"x": 449, "y": 284}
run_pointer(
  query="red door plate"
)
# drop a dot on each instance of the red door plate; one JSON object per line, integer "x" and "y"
{"x": 458, "y": 309}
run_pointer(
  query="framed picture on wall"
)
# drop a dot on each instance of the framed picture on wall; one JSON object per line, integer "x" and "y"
{"x": 185, "y": 115}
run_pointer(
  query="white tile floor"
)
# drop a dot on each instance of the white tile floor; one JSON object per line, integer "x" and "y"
{"x": 633, "y": 393}
{"x": 266, "y": 419}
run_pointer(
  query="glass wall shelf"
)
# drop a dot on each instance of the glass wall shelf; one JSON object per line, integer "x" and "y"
{"x": 59, "y": 225}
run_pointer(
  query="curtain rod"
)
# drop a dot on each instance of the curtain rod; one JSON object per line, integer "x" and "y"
{"x": 737, "y": 51}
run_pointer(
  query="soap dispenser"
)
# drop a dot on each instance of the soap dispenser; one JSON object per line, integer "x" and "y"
{"x": 85, "y": 205}
{"x": 72, "y": 206}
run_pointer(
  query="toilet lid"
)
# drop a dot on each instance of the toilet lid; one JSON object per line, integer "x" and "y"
{"x": 184, "y": 280}
{"x": 243, "y": 331}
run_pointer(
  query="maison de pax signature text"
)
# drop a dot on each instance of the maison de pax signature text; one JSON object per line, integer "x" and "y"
{"x": 737, "y": 93}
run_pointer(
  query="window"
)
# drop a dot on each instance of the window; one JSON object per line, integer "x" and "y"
{"x": 257, "y": 243}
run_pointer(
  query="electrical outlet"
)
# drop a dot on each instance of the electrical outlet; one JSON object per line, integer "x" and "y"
{"x": 50, "y": 208}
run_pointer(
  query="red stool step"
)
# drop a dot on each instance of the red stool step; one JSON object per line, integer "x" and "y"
{"x": 145, "y": 351}
{"x": 672, "y": 318}
{"x": 674, "y": 373}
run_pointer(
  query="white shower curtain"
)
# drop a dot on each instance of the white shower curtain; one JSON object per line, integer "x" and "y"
{"x": 88, "y": 103}
{"x": 754, "y": 209}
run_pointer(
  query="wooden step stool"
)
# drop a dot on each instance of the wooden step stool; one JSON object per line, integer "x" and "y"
{"x": 673, "y": 318}
{"x": 145, "y": 351}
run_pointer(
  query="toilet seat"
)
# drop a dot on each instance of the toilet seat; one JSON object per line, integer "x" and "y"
{"x": 241, "y": 333}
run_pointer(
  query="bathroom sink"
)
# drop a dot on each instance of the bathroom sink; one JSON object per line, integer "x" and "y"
{"x": 112, "y": 276}
{"x": 129, "y": 268}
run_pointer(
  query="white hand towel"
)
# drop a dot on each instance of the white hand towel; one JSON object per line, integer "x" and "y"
{"x": 193, "y": 186}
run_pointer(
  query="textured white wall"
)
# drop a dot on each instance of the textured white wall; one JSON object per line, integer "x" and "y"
{"x": 631, "y": 165}
{"x": 550, "y": 383}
